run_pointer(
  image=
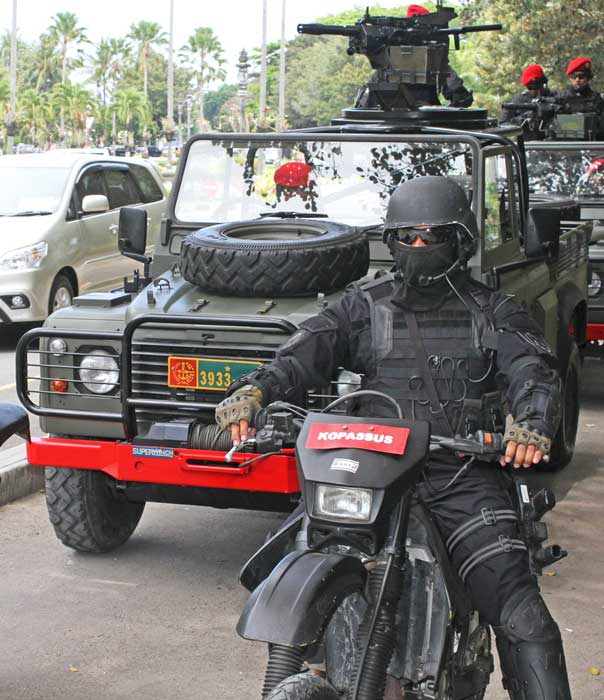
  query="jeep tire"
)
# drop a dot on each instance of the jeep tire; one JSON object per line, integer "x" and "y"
{"x": 564, "y": 442}
{"x": 275, "y": 257}
{"x": 87, "y": 512}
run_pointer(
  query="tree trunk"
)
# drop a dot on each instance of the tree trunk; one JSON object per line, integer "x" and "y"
{"x": 201, "y": 120}
{"x": 62, "y": 113}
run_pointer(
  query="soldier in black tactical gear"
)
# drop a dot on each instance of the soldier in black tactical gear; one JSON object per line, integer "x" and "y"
{"x": 450, "y": 351}
{"x": 580, "y": 95}
{"x": 535, "y": 82}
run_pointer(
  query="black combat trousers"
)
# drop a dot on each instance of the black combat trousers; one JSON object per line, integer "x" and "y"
{"x": 481, "y": 489}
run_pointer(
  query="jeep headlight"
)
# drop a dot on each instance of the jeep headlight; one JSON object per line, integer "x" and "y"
{"x": 342, "y": 503}
{"x": 27, "y": 258}
{"x": 595, "y": 282}
{"x": 99, "y": 372}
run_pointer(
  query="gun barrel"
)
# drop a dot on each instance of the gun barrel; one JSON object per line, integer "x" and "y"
{"x": 521, "y": 106}
{"x": 333, "y": 29}
{"x": 475, "y": 28}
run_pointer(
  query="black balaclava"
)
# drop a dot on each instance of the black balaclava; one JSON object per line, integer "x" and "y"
{"x": 422, "y": 271}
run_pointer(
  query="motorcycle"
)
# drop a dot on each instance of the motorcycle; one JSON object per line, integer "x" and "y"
{"x": 355, "y": 595}
{"x": 13, "y": 421}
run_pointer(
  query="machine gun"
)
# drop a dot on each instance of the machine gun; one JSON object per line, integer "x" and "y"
{"x": 556, "y": 118}
{"x": 409, "y": 55}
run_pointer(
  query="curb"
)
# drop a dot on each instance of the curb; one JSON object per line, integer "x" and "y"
{"x": 17, "y": 477}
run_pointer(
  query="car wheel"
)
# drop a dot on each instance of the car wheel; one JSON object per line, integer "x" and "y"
{"x": 61, "y": 294}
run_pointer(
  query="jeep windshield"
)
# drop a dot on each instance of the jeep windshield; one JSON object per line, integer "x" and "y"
{"x": 567, "y": 170}
{"x": 349, "y": 181}
{"x": 31, "y": 191}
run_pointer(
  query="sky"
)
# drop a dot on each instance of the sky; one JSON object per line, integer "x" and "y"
{"x": 237, "y": 23}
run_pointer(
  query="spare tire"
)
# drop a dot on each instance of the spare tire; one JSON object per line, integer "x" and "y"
{"x": 275, "y": 257}
{"x": 569, "y": 207}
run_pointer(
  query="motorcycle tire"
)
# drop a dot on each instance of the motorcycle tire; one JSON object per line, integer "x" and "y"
{"x": 86, "y": 512}
{"x": 275, "y": 258}
{"x": 303, "y": 686}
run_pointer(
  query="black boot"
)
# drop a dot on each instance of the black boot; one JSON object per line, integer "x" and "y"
{"x": 530, "y": 650}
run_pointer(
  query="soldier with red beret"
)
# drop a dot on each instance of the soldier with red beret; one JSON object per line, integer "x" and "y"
{"x": 534, "y": 81}
{"x": 581, "y": 97}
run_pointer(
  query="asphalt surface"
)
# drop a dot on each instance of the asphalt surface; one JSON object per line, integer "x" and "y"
{"x": 156, "y": 619}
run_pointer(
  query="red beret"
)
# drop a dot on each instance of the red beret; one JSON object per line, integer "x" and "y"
{"x": 595, "y": 165}
{"x": 578, "y": 64}
{"x": 292, "y": 174}
{"x": 532, "y": 73}
{"x": 413, "y": 10}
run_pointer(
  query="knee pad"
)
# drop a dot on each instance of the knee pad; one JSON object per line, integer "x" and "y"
{"x": 526, "y": 618}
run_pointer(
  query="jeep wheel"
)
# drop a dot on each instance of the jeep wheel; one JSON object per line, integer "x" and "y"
{"x": 275, "y": 258}
{"x": 564, "y": 443}
{"x": 86, "y": 511}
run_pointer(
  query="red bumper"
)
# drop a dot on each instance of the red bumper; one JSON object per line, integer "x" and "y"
{"x": 595, "y": 331}
{"x": 167, "y": 465}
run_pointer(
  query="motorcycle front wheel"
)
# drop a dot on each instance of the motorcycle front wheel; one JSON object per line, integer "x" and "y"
{"x": 303, "y": 686}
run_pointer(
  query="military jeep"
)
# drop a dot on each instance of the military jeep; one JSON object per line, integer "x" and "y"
{"x": 574, "y": 171}
{"x": 125, "y": 383}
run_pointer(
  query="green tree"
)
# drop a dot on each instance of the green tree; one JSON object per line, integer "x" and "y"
{"x": 216, "y": 99}
{"x": 35, "y": 113}
{"x": 146, "y": 35}
{"x": 204, "y": 53}
{"x": 65, "y": 30}
{"x": 132, "y": 109}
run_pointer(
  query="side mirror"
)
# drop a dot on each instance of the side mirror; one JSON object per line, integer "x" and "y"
{"x": 132, "y": 240}
{"x": 95, "y": 204}
{"x": 13, "y": 420}
{"x": 542, "y": 232}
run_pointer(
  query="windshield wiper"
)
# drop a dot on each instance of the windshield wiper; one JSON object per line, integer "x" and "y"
{"x": 293, "y": 215}
{"x": 30, "y": 213}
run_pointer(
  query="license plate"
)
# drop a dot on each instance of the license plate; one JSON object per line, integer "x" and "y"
{"x": 206, "y": 373}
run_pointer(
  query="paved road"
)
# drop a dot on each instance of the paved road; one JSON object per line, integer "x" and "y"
{"x": 156, "y": 620}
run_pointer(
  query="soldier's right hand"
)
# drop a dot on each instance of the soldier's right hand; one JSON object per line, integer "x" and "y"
{"x": 237, "y": 411}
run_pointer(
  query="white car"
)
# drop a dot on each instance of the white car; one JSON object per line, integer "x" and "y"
{"x": 58, "y": 227}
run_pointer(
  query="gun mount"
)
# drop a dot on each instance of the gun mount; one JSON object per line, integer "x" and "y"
{"x": 410, "y": 58}
{"x": 556, "y": 118}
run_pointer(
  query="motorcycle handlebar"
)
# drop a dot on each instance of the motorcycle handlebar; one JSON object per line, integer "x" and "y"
{"x": 487, "y": 446}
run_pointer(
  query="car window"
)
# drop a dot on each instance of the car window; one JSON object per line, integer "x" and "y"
{"x": 91, "y": 182}
{"x": 146, "y": 183}
{"x": 121, "y": 188}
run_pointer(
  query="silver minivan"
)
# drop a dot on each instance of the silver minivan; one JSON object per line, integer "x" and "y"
{"x": 58, "y": 227}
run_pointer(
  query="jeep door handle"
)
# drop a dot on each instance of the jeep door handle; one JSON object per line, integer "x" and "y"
{"x": 114, "y": 228}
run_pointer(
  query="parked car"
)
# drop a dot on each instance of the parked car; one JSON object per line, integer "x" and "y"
{"x": 58, "y": 227}
{"x": 154, "y": 152}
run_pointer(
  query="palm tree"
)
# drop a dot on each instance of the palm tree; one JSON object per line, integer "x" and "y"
{"x": 35, "y": 114}
{"x": 66, "y": 30}
{"x": 45, "y": 68}
{"x": 130, "y": 104}
{"x": 204, "y": 50}
{"x": 147, "y": 35}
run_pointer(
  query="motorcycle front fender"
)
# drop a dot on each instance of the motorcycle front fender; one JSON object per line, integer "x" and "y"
{"x": 292, "y": 605}
{"x": 13, "y": 420}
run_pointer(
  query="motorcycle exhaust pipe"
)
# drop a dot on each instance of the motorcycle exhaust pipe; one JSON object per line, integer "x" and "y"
{"x": 550, "y": 555}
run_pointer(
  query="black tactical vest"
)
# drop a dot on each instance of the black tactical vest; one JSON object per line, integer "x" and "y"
{"x": 461, "y": 368}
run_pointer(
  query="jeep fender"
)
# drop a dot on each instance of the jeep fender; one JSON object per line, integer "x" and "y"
{"x": 572, "y": 311}
{"x": 292, "y": 605}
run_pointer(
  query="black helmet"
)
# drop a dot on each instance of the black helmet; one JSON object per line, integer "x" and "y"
{"x": 432, "y": 200}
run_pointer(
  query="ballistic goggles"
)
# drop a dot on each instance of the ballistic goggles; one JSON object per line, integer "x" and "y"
{"x": 430, "y": 235}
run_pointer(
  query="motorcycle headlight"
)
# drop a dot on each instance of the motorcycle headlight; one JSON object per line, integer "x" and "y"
{"x": 27, "y": 258}
{"x": 347, "y": 382}
{"x": 595, "y": 283}
{"x": 99, "y": 372}
{"x": 343, "y": 503}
